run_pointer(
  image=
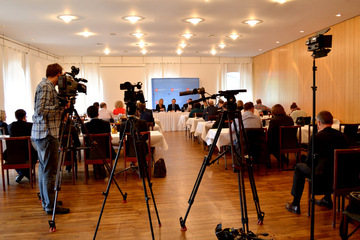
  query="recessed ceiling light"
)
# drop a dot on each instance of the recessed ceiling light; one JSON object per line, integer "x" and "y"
{"x": 252, "y": 22}
{"x": 233, "y": 36}
{"x": 138, "y": 34}
{"x": 188, "y": 35}
{"x": 302, "y": 31}
{"x": 260, "y": 49}
{"x": 107, "y": 51}
{"x": 222, "y": 45}
{"x": 213, "y": 51}
{"x": 277, "y": 42}
{"x": 194, "y": 20}
{"x": 86, "y": 34}
{"x": 179, "y": 51}
{"x": 280, "y": 1}
{"x": 133, "y": 19}
{"x": 182, "y": 45}
{"x": 144, "y": 51}
{"x": 141, "y": 44}
{"x": 67, "y": 18}
{"x": 338, "y": 15}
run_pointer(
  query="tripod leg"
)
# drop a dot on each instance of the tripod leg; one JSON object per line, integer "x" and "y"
{"x": 148, "y": 207}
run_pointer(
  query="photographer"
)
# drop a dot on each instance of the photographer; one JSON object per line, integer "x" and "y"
{"x": 45, "y": 133}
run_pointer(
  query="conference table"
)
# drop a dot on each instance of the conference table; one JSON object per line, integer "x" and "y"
{"x": 170, "y": 120}
{"x": 156, "y": 137}
{"x": 203, "y": 128}
{"x": 223, "y": 140}
{"x": 192, "y": 123}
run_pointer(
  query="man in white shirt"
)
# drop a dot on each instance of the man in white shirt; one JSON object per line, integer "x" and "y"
{"x": 105, "y": 114}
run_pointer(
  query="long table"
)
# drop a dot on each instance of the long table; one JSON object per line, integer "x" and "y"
{"x": 157, "y": 140}
{"x": 170, "y": 120}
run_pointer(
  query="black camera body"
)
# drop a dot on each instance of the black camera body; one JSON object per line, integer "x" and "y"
{"x": 131, "y": 96}
{"x": 69, "y": 85}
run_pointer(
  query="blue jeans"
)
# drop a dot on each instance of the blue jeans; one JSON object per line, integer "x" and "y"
{"x": 48, "y": 153}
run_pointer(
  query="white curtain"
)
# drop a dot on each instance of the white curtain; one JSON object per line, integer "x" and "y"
{"x": 17, "y": 85}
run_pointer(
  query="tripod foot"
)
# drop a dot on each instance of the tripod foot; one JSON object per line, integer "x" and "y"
{"x": 182, "y": 224}
{"x": 159, "y": 224}
{"x": 183, "y": 228}
{"x": 260, "y": 221}
{"x": 124, "y": 198}
{"x": 52, "y": 226}
{"x": 38, "y": 195}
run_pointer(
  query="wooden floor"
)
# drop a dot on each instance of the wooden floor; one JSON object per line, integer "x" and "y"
{"x": 217, "y": 201}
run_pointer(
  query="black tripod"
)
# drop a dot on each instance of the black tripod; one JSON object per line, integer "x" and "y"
{"x": 142, "y": 169}
{"x": 238, "y": 164}
{"x": 67, "y": 123}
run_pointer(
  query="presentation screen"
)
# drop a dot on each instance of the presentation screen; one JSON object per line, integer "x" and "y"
{"x": 169, "y": 88}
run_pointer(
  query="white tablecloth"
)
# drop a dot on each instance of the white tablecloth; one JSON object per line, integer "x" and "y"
{"x": 182, "y": 121}
{"x": 193, "y": 122}
{"x": 224, "y": 138}
{"x": 305, "y": 132}
{"x": 203, "y": 128}
{"x": 169, "y": 120}
{"x": 158, "y": 125}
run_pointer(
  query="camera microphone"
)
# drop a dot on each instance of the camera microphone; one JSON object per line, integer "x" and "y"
{"x": 194, "y": 91}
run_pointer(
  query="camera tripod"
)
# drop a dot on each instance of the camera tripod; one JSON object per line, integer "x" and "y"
{"x": 239, "y": 162}
{"x": 67, "y": 123}
{"x": 142, "y": 169}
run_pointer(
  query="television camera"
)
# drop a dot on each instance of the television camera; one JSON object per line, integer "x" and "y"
{"x": 131, "y": 96}
{"x": 69, "y": 85}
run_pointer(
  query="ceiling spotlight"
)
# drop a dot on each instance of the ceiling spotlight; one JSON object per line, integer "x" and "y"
{"x": 213, "y": 51}
{"x": 338, "y": 15}
{"x": 280, "y": 1}
{"x": 86, "y": 34}
{"x": 233, "y": 36}
{"x": 133, "y": 19}
{"x": 141, "y": 44}
{"x": 302, "y": 31}
{"x": 187, "y": 35}
{"x": 144, "y": 51}
{"x": 277, "y": 42}
{"x": 107, "y": 51}
{"x": 182, "y": 45}
{"x": 179, "y": 51}
{"x": 194, "y": 20}
{"x": 67, "y": 18}
{"x": 252, "y": 22}
{"x": 222, "y": 45}
{"x": 138, "y": 34}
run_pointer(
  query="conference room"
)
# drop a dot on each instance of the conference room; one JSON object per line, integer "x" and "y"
{"x": 282, "y": 52}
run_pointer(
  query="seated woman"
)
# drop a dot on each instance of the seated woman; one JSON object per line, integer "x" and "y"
{"x": 160, "y": 107}
{"x": 3, "y": 123}
{"x": 119, "y": 108}
{"x": 197, "y": 109}
{"x": 296, "y": 112}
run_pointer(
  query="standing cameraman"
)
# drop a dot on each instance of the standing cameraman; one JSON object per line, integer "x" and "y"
{"x": 45, "y": 133}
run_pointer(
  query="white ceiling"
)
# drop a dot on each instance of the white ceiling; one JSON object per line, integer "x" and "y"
{"x": 35, "y": 22}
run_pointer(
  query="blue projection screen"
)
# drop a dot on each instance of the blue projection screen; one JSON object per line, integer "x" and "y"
{"x": 169, "y": 88}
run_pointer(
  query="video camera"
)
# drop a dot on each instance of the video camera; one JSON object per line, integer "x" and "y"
{"x": 131, "y": 96}
{"x": 69, "y": 85}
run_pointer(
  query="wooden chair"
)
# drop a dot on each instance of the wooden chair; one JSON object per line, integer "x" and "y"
{"x": 289, "y": 142}
{"x": 351, "y": 130}
{"x": 305, "y": 146}
{"x": 212, "y": 117}
{"x": 150, "y": 126}
{"x": 2, "y": 131}
{"x": 92, "y": 156}
{"x": 129, "y": 151}
{"x": 257, "y": 141}
{"x": 346, "y": 176}
{"x": 70, "y": 157}
{"x": 16, "y": 159}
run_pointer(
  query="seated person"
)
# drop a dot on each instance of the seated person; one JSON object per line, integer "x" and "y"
{"x": 280, "y": 119}
{"x": 3, "y": 123}
{"x": 264, "y": 110}
{"x": 22, "y": 128}
{"x": 296, "y": 112}
{"x": 75, "y": 143}
{"x": 326, "y": 140}
{"x": 119, "y": 108}
{"x": 239, "y": 105}
{"x": 250, "y": 120}
{"x": 96, "y": 126}
{"x": 218, "y": 119}
{"x": 161, "y": 107}
{"x": 211, "y": 110}
{"x": 145, "y": 114}
{"x": 196, "y": 109}
{"x": 105, "y": 114}
{"x": 173, "y": 107}
{"x": 187, "y": 107}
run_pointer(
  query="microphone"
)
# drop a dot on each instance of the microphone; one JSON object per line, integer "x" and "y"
{"x": 194, "y": 91}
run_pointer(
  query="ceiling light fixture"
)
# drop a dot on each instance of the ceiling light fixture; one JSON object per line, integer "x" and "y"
{"x": 133, "y": 19}
{"x": 144, "y": 51}
{"x": 86, "y": 34}
{"x": 222, "y": 45}
{"x": 302, "y": 31}
{"x": 182, "y": 45}
{"x": 277, "y": 42}
{"x": 107, "y": 51}
{"x": 213, "y": 51}
{"x": 141, "y": 44}
{"x": 194, "y": 20}
{"x": 187, "y": 35}
{"x": 179, "y": 51}
{"x": 233, "y": 36}
{"x": 252, "y": 22}
{"x": 338, "y": 15}
{"x": 67, "y": 18}
{"x": 138, "y": 34}
{"x": 280, "y": 1}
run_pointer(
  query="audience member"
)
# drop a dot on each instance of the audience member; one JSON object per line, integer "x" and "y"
{"x": 3, "y": 123}
{"x": 160, "y": 107}
{"x": 220, "y": 103}
{"x": 211, "y": 110}
{"x": 239, "y": 105}
{"x": 296, "y": 112}
{"x": 145, "y": 114}
{"x": 280, "y": 119}
{"x": 173, "y": 107}
{"x": 262, "y": 108}
{"x": 105, "y": 114}
{"x": 218, "y": 119}
{"x": 119, "y": 108}
{"x": 96, "y": 104}
{"x": 22, "y": 128}
{"x": 326, "y": 140}
{"x": 250, "y": 120}
{"x": 196, "y": 109}
{"x": 187, "y": 107}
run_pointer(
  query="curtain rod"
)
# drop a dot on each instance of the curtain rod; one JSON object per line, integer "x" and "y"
{"x": 27, "y": 46}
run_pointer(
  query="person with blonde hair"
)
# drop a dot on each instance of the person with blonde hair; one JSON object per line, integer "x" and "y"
{"x": 3, "y": 123}
{"x": 119, "y": 108}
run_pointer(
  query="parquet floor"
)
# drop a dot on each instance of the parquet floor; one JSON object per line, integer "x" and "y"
{"x": 217, "y": 201}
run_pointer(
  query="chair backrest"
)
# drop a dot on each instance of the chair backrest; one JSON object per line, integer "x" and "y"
{"x": 212, "y": 117}
{"x": 351, "y": 131}
{"x": 288, "y": 137}
{"x": 129, "y": 150}
{"x": 150, "y": 126}
{"x": 2, "y": 131}
{"x": 257, "y": 142}
{"x": 13, "y": 145}
{"x": 103, "y": 142}
{"x": 346, "y": 170}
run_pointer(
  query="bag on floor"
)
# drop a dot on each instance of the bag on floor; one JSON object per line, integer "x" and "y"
{"x": 160, "y": 168}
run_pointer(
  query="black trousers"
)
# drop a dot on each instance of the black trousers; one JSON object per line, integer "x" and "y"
{"x": 301, "y": 172}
